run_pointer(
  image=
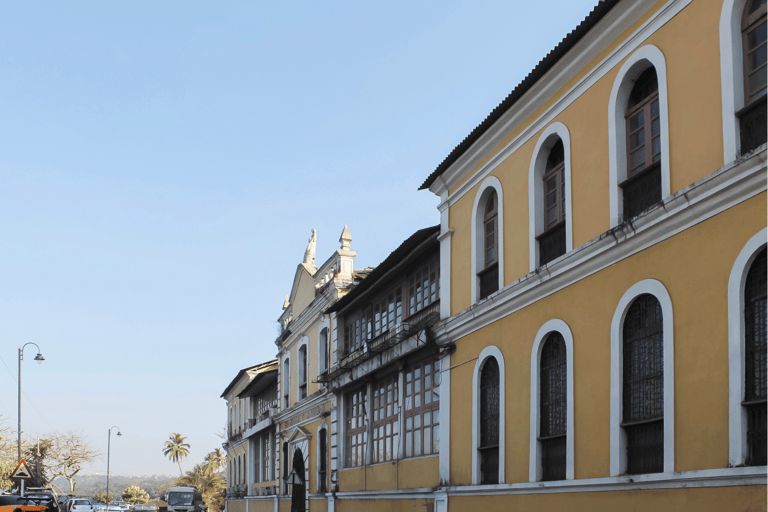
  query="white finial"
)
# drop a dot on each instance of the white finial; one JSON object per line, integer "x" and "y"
{"x": 287, "y": 302}
{"x": 309, "y": 254}
{"x": 346, "y": 238}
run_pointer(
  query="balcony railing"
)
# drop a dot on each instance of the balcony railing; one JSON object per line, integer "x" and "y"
{"x": 489, "y": 280}
{"x": 552, "y": 244}
{"x": 752, "y": 125}
{"x": 642, "y": 191}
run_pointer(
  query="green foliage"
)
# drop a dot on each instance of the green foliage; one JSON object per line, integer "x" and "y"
{"x": 176, "y": 449}
{"x": 103, "y": 497}
{"x": 211, "y": 485}
{"x": 216, "y": 459}
{"x": 6, "y": 468}
{"x": 134, "y": 495}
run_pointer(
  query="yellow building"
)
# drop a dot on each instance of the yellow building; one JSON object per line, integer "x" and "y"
{"x": 602, "y": 245}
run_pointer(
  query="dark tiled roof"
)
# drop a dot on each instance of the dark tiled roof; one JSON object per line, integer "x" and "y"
{"x": 541, "y": 68}
{"x": 397, "y": 256}
{"x": 257, "y": 367}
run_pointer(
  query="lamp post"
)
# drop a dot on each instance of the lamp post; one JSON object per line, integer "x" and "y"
{"x": 39, "y": 358}
{"x": 109, "y": 444}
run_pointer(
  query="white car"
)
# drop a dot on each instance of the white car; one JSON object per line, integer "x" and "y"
{"x": 80, "y": 505}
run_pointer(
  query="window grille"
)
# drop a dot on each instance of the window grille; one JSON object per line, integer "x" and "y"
{"x": 643, "y": 386}
{"x": 552, "y": 244}
{"x": 422, "y": 408}
{"x": 489, "y": 422}
{"x": 553, "y": 419}
{"x": 302, "y": 372}
{"x": 642, "y": 191}
{"x": 490, "y": 231}
{"x": 386, "y": 427}
{"x": 355, "y": 433}
{"x": 554, "y": 187}
{"x": 753, "y": 29}
{"x": 322, "y": 470}
{"x": 489, "y": 280}
{"x": 755, "y": 363}
{"x": 752, "y": 125}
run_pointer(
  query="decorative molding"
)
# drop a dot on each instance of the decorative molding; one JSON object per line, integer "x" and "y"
{"x": 737, "y": 421}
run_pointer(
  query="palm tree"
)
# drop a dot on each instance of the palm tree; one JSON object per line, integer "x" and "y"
{"x": 176, "y": 449}
{"x": 216, "y": 460}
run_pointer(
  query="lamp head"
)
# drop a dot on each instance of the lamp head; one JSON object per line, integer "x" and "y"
{"x": 39, "y": 358}
{"x": 119, "y": 433}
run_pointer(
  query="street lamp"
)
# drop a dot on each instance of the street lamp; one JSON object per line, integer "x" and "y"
{"x": 39, "y": 358}
{"x": 109, "y": 444}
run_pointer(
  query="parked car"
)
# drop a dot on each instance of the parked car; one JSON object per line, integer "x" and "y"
{"x": 145, "y": 508}
{"x": 80, "y": 505}
{"x": 118, "y": 506}
{"x": 11, "y": 503}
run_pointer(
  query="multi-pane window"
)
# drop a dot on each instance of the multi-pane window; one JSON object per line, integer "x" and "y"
{"x": 422, "y": 408}
{"x": 642, "y": 188}
{"x": 752, "y": 118}
{"x": 322, "y": 350}
{"x": 755, "y": 361}
{"x": 385, "y": 433}
{"x": 387, "y": 312}
{"x": 643, "y": 386}
{"x": 423, "y": 287}
{"x": 302, "y": 372}
{"x": 553, "y": 408}
{"x": 489, "y": 275}
{"x": 355, "y": 332}
{"x": 322, "y": 466}
{"x": 753, "y": 29}
{"x": 356, "y": 436}
{"x": 489, "y": 422}
{"x": 552, "y": 241}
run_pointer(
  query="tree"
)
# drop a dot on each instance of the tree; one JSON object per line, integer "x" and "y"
{"x": 216, "y": 459}
{"x": 70, "y": 452}
{"x": 134, "y": 495}
{"x": 176, "y": 449}
{"x": 210, "y": 484}
{"x": 103, "y": 497}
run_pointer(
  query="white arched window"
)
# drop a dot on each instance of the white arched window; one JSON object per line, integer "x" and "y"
{"x": 322, "y": 350}
{"x": 551, "y": 431}
{"x": 642, "y": 319}
{"x": 303, "y": 368}
{"x": 488, "y": 415}
{"x": 487, "y": 240}
{"x": 638, "y": 135}
{"x": 738, "y": 333}
{"x": 742, "y": 75}
{"x": 286, "y": 382}
{"x": 549, "y": 197}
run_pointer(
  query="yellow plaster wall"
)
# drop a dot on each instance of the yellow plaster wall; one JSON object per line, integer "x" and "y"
{"x": 389, "y": 505}
{"x": 694, "y": 152}
{"x": 318, "y": 504}
{"x": 284, "y": 505}
{"x": 713, "y": 499}
{"x": 305, "y": 292}
{"x": 236, "y": 506}
{"x": 261, "y": 505}
{"x": 698, "y": 290}
{"x": 417, "y": 473}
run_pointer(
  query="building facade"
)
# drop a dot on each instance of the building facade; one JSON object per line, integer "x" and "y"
{"x": 603, "y": 239}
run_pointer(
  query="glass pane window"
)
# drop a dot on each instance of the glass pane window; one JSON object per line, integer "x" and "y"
{"x": 755, "y": 320}
{"x": 753, "y": 27}
{"x": 385, "y": 428}
{"x": 355, "y": 433}
{"x": 422, "y": 406}
{"x": 489, "y": 422}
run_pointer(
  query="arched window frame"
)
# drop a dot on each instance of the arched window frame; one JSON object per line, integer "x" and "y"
{"x": 547, "y": 140}
{"x": 534, "y": 467}
{"x": 488, "y": 352}
{"x": 323, "y": 338}
{"x": 737, "y": 419}
{"x": 490, "y": 184}
{"x": 731, "y": 75}
{"x": 302, "y": 352}
{"x": 643, "y": 58}
{"x": 286, "y": 389}
{"x": 618, "y": 442}
{"x": 322, "y": 430}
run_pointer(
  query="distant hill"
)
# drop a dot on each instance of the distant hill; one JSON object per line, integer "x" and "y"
{"x": 88, "y": 485}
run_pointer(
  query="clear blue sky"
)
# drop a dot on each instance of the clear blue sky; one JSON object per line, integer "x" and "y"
{"x": 162, "y": 165}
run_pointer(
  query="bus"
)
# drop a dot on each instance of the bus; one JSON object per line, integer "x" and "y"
{"x": 184, "y": 499}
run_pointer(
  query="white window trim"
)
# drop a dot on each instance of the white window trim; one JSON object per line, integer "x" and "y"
{"x": 490, "y": 183}
{"x": 487, "y": 353}
{"x": 323, "y": 426}
{"x": 547, "y": 139}
{"x": 643, "y": 58}
{"x": 323, "y": 355}
{"x": 618, "y": 442}
{"x": 304, "y": 342}
{"x": 731, "y": 75}
{"x": 286, "y": 389}
{"x": 737, "y": 418}
{"x": 534, "y": 467}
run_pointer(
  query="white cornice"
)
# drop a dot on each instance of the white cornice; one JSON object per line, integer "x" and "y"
{"x": 716, "y": 192}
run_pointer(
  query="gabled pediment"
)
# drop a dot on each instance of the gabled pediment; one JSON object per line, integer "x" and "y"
{"x": 298, "y": 433}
